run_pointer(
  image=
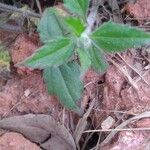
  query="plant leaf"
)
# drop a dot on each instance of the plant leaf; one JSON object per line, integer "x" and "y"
{"x": 51, "y": 25}
{"x": 85, "y": 60}
{"x": 98, "y": 61}
{"x": 78, "y": 7}
{"x": 64, "y": 82}
{"x": 75, "y": 25}
{"x": 116, "y": 37}
{"x": 53, "y": 53}
{"x": 92, "y": 57}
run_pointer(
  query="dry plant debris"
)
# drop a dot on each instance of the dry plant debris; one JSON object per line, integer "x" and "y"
{"x": 41, "y": 129}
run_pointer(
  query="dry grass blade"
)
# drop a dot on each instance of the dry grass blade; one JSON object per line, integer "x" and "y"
{"x": 39, "y": 6}
{"x": 122, "y": 125}
{"x": 82, "y": 124}
{"x": 9, "y": 8}
{"x": 134, "y": 69}
{"x": 124, "y": 71}
{"x": 111, "y": 130}
{"x": 144, "y": 74}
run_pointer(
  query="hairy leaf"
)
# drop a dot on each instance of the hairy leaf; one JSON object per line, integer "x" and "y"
{"x": 98, "y": 61}
{"x": 78, "y": 7}
{"x": 92, "y": 57}
{"x": 51, "y": 25}
{"x": 64, "y": 82}
{"x": 116, "y": 37}
{"x": 53, "y": 53}
{"x": 85, "y": 60}
{"x": 75, "y": 25}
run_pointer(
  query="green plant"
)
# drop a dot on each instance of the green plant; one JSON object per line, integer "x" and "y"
{"x": 4, "y": 58}
{"x": 66, "y": 36}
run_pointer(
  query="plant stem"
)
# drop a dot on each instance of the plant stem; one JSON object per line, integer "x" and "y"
{"x": 92, "y": 16}
{"x": 90, "y": 20}
{"x": 10, "y": 28}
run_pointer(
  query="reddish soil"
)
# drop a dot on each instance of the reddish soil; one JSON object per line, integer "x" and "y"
{"x": 26, "y": 93}
{"x": 120, "y": 93}
{"x": 15, "y": 141}
{"x": 140, "y": 10}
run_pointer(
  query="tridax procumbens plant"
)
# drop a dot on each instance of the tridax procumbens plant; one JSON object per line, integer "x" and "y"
{"x": 67, "y": 37}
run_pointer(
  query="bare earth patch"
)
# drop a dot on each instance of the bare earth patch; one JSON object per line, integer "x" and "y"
{"x": 15, "y": 141}
{"x": 140, "y": 10}
{"x": 23, "y": 95}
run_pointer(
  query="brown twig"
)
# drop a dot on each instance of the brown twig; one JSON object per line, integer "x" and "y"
{"x": 10, "y": 9}
{"x": 39, "y": 6}
{"x": 10, "y": 28}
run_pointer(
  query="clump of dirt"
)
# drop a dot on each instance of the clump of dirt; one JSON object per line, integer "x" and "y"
{"x": 23, "y": 47}
{"x": 140, "y": 10}
{"x": 27, "y": 94}
{"x": 16, "y": 141}
{"x": 7, "y": 38}
{"x": 91, "y": 80}
{"x": 128, "y": 140}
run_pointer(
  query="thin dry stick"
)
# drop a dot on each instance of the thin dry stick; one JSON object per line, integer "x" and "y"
{"x": 138, "y": 79}
{"x": 82, "y": 124}
{"x": 99, "y": 138}
{"x": 11, "y": 28}
{"x": 92, "y": 82}
{"x": 147, "y": 59}
{"x": 39, "y": 6}
{"x": 134, "y": 69}
{"x": 125, "y": 72}
{"x": 125, "y": 123}
{"x": 63, "y": 116}
{"x": 11, "y": 109}
{"x": 88, "y": 137}
{"x": 111, "y": 130}
{"x": 17, "y": 104}
{"x": 121, "y": 127}
{"x": 11, "y": 9}
{"x": 115, "y": 111}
